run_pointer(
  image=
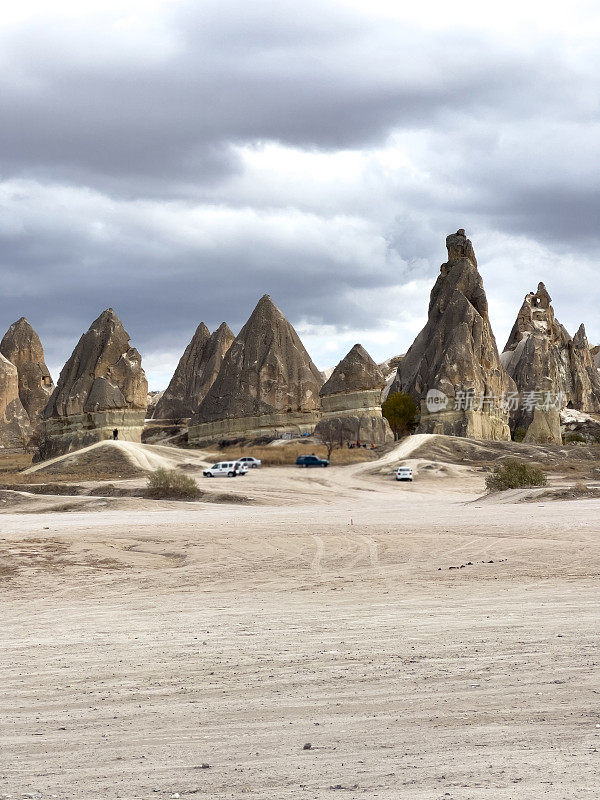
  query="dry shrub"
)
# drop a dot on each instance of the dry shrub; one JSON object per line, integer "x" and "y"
{"x": 168, "y": 484}
{"x": 515, "y": 474}
{"x": 280, "y": 455}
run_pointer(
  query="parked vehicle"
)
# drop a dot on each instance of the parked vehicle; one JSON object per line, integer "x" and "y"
{"x": 404, "y": 474}
{"x": 311, "y": 461}
{"x": 250, "y": 461}
{"x": 225, "y": 469}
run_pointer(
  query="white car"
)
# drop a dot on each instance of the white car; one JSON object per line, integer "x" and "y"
{"x": 404, "y": 474}
{"x": 251, "y": 462}
{"x": 225, "y": 469}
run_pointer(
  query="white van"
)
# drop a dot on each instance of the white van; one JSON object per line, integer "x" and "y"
{"x": 225, "y": 469}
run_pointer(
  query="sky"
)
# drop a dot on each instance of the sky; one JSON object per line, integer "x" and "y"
{"x": 177, "y": 160}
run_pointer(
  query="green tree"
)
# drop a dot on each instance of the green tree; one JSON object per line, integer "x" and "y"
{"x": 401, "y": 412}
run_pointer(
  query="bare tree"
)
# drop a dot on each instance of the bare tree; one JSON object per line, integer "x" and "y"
{"x": 331, "y": 433}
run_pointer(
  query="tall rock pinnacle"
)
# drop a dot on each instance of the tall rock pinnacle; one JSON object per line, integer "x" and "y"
{"x": 265, "y": 374}
{"x": 195, "y": 373}
{"x": 541, "y": 357}
{"x": 456, "y": 354}
{"x": 101, "y": 388}
{"x": 15, "y": 428}
{"x": 22, "y": 347}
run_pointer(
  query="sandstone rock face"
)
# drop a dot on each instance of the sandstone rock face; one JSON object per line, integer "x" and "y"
{"x": 596, "y": 356}
{"x": 456, "y": 355}
{"x": 542, "y": 358}
{"x": 267, "y": 383}
{"x": 195, "y": 373}
{"x": 545, "y": 427}
{"x": 351, "y": 402}
{"x": 101, "y": 387}
{"x": 22, "y": 347}
{"x": 586, "y": 380}
{"x": 15, "y": 429}
{"x": 153, "y": 398}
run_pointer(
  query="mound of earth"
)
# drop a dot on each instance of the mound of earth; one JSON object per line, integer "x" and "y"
{"x": 474, "y": 452}
{"x": 105, "y": 459}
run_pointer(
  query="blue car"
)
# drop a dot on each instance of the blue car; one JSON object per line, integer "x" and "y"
{"x": 311, "y": 461}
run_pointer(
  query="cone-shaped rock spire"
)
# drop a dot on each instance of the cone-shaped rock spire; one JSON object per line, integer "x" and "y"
{"x": 102, "y": 391}
{"x": 15, "y": 429}
{"x": 22, "y": 347}
{"x": 351, "y": 402}
{"x": 265, "y": 372}
{"x": 195, "y": 373}
{"x": 456, "y": 354}
{"x": 541, "y": 357}
{"x": 356, "y": 372}
{"x": 103, "y": 372}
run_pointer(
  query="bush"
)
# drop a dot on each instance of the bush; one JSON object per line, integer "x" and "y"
{"x": 168, "y": 484}
{"x": 575, "y": 437}
{"x": 519, "y": 434}
{"x": 515, "y": 475}
{"x": 401, "y": 412}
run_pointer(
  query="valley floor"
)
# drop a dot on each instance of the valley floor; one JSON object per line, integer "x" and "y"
{"x": 143, "y": 641}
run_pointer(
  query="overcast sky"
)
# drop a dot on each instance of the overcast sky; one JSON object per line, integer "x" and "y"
{"x": 176, "y": 160}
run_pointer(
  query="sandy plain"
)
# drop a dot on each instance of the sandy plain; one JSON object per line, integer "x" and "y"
{"x": 159, "y": 649}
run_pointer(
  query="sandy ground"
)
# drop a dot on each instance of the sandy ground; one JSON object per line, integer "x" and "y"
{"x": 142, "y": 642}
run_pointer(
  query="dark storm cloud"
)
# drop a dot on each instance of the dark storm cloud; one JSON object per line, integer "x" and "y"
{"x": 108, "y": 139}
{"x": 234, "y": 72}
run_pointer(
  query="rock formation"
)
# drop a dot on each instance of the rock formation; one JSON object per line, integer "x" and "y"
{"x": 545, "y": 427}
{"x": 586, "y": 380}
{"x": 455, "y": 358}
{"x": 153, "y": 398}
{"x": 22, "y": 347}
{"x": 596, "y": 356}
{"x": 101, "y": 387}
{"x": 351, "y": 402}
{"x": 195, "y": 373}
{"x": 15, "y": 429}
{"x": 390, "y": 369}
{"x": 546, "y": 362}
{"x": 267, "y": 384}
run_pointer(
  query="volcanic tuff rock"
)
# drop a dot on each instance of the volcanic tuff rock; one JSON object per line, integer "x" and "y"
{"x": 351, "y": 401}
{"x": 267, "y": 382}
{"x": 22, "y": 347}
{"x": 456, "y": 353}
{"x": 545, "y": 427}
{"x": 356, "y": 372}
{"x": 541, "y": 357}
{"x": 586, "y": 380}
{"x": 101, "y": 387}
{"x": 195, "y": 373}
{"x": 15, "y": 429}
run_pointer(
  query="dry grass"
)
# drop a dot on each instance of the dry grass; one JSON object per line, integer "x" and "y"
{"x": 280, "y": 455}
{"x": 578, "y": 491}
{"x": 10, "y": 479}
{"x": 14, "y": 462}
